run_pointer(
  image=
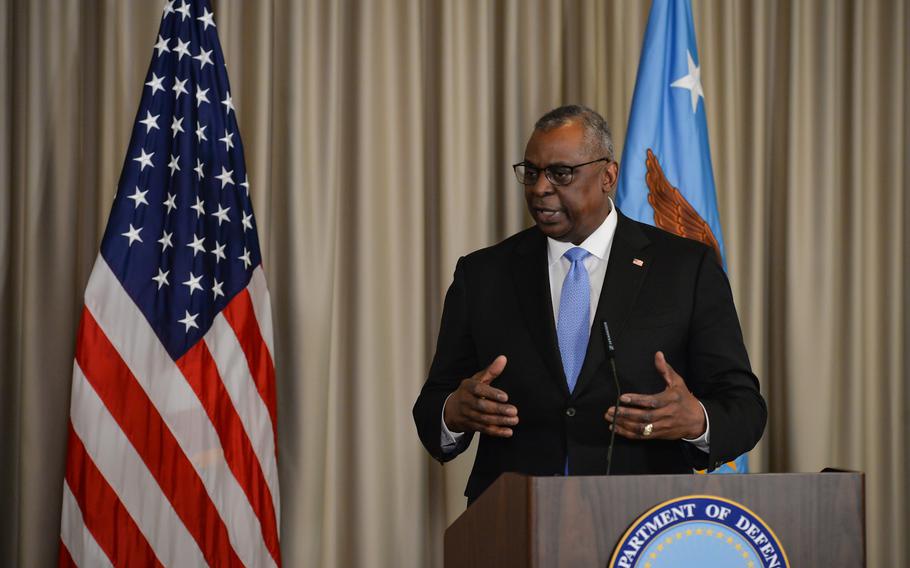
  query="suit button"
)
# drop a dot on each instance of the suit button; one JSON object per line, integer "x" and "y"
{"x": 570, "y": 412}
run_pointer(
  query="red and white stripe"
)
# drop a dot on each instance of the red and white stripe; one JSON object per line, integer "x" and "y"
{"x": 171, "y": 463}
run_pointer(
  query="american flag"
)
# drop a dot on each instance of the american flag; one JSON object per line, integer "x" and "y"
{"x": 172, "y": 456}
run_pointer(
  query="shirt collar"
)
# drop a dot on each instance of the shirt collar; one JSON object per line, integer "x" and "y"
{"x": 598, "y": 243}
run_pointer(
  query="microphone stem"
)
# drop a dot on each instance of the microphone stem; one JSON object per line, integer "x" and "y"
{"x": 611, "y": 355}
{"x": 612, "y": 428}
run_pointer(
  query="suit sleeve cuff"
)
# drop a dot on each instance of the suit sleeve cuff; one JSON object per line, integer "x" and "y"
{"x": 703, "y": 442}
{"x": 448, "y": 440}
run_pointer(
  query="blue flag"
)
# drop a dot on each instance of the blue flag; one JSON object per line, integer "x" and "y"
{"x": 666, "y": 179}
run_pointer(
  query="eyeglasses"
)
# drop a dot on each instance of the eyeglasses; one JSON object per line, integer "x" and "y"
{"x": 528, "y": 174}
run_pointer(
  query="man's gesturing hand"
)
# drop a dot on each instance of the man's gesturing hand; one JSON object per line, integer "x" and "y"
{"x": 673, "y": 414}
{"x": 478, "y": 407}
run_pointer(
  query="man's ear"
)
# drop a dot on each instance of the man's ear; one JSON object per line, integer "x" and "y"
{"x": 609, "y": 176}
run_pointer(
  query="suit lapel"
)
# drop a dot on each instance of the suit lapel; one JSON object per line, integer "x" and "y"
{"x": 626, "y": 269}
{"x": 532, "y": 281}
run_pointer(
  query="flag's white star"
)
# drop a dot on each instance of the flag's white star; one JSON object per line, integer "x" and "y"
{"x": 228, "y": 103}
{"x": 166, "y": 241}
{"x": 184, "y": 11}
{"x": 199, "y": 208}
{"x": 161, "y": 279}
{"x": 203, "y": 58}
{"x": 174, "y": 165}
{"x": 200, "y": 131}
{"x": 183, "y": 48}
{"x": 246, "y": 184}
{"x": 193, "y": 283}
{"x": 168, "y": 8}
{"x": 247, "y": 221}
{"x": 176, "y": 125}
{"x": 189, "y": 320}
{"x": 245, "y": 257}
{"x": 221, "y": 214}
{"x": 218, "y": 251}
{"x": 150, "y": 121}
{"x": 144, "y": 160}
{"x": 170, "y": 202}
{"x": 155, "y": 84}
{"x": 228, "y": 140}
{"x": 206, "y": 18}
{"x": 216, "y": 289}
{"x": 197, "y": 245}
{"x": 198, "y": 168}
{"x": 692, "y": 82}
{"x": 161, "y": 46}
{"x": 202, "y": 96}
{"x": 225, "y": 177}
{"x": 133, "y": 235}
{"x": 179, "y": 88}
{"x": 138, "y": 198}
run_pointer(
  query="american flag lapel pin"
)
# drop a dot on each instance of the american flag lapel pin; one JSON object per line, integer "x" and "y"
{"x": 638, "y": 262}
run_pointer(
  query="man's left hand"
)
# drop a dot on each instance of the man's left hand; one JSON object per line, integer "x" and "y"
{"x": 672, "y": 414}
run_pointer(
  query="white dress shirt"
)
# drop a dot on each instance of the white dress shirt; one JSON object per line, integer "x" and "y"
{"x": 598, "y": 244}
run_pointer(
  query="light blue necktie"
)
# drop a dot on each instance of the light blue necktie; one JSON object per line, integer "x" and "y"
{"x": 574, "y": 327}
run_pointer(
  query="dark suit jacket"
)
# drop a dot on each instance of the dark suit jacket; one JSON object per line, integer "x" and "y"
{"x": 678, "y": 301}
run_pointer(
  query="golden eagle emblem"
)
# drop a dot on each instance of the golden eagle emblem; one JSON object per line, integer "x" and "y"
{"x": 671, "y": 210}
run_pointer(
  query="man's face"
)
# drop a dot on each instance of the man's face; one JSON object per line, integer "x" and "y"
{"x": 568, "y": 213}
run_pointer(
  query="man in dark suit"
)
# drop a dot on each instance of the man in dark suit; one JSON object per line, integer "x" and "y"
{"x": 521, "y": 357}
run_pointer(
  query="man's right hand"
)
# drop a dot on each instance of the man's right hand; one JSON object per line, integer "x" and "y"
{"x": 478, "y": 407}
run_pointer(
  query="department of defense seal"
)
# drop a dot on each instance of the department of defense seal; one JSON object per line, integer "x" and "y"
{"x": 699, "y": 531}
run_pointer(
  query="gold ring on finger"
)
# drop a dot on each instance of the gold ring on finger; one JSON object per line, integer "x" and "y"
{"x": 649, "y": 428}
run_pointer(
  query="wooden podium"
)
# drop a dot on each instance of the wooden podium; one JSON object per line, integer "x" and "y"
{"x": 521, "y": 521}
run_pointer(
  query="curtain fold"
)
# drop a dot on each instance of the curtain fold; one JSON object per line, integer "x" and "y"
{"x": 379, "y": 138}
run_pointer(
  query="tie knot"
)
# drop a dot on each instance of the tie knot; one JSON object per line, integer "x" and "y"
{"x": 575, "y": 254}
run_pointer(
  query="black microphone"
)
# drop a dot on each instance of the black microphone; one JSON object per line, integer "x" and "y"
{"x": 611, "y": 357}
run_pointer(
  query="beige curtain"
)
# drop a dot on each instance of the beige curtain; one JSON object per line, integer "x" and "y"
{"x": 378, "y": 138}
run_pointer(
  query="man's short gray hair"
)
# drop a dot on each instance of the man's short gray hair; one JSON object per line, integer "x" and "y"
{"x": 597, "y": 132}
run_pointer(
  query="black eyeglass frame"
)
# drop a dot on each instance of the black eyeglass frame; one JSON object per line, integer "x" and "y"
{"x": 549, "y": 171}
